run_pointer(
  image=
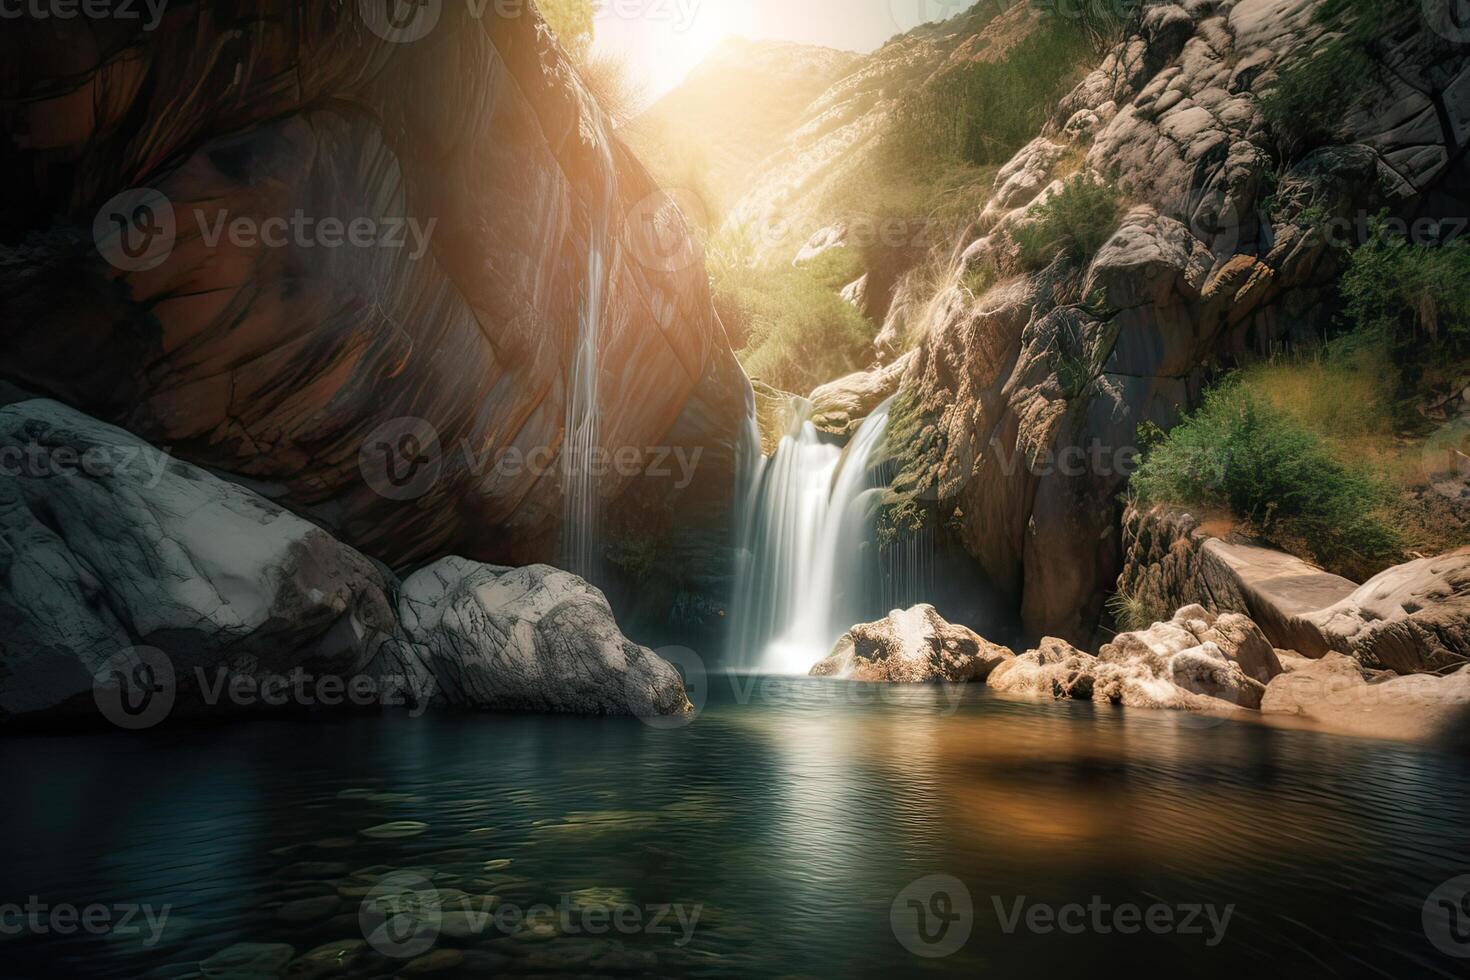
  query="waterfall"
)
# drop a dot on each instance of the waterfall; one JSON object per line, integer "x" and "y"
{"x": 582, "y": 494}
{"x": 810, "y": 564}
{"x": 581, "y": 505}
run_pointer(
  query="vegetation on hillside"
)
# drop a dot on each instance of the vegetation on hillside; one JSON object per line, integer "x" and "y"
{"x": 1333, "y": 454}
{"x": 1311, "y": 95}
{"x": 794, "y": 329}
{"x": 1075, "y": 222}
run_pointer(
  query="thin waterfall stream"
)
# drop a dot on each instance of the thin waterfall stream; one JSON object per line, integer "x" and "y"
{"x": 810, "y": 561}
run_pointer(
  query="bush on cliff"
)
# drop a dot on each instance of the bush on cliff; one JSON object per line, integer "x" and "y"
{"x": 1076, "y": 222}
{"x": 1240, "y": 454}
{"x": 795, "y": 330}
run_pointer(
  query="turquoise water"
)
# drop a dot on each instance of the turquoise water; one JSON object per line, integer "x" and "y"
{"x": 783, "y": 822}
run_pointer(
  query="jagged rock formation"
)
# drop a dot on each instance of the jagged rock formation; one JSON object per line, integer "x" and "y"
{"x": 1033, "y": 392}
{"x": 1193, "y": 662}
{"x": 913, "y": 646}
{"x": 1410, "y": 619}
{"x": 479, "y": 149}
{"x": 114, "y": 556}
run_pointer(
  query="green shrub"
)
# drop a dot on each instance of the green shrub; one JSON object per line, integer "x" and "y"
{"x": 1314, "y": 91}
{"x": 1239, "y": 454}
{"x": 1409, "y": 292}
{"x": 797, "y": 333}
{"x": 1076, "y": 222}
{"x": 983, "y": 112}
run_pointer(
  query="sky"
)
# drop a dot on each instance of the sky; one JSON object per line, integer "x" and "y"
{"x": 663, "y": 39}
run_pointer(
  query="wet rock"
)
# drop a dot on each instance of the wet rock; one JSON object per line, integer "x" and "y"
{"x": 436, "y": 962}
{"x": 840, "y": 406}
{"x": 534, "y": 639}
{"x": 245, "y": 959}
{"x": 327, "y": 960}
{"x": 395, "y": 830}
{"x": 304, "y": 910}
{"x": 912, "y": 646}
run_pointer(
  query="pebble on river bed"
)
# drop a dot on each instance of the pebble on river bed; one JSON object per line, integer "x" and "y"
{"x": 395, "y": 830}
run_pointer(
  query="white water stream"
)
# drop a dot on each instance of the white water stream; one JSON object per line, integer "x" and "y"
{"x": 810, "y": 564}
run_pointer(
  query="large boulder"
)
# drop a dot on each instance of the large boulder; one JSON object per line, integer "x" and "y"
{"x": 108, "y": 545}
{"x": 912, "y": 646}
{"x": 116, "y": 559}
{"x": 1172, "y": 560}
{"x": 1414, "y": 618}
{"x": 409, "y": 394}
{"x": 1337, "y": 694}
{"x": 840, "y": 406}
{"x": 523, "y": 639}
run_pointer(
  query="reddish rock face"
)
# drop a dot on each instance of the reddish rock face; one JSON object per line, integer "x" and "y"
{"x": 279, "y": 362}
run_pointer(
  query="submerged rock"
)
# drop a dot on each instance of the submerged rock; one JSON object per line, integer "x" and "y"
{"x": 534, "y": 639}
{"x": 912, "y": 647}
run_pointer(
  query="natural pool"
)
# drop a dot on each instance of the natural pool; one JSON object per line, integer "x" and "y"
{"x": 773, "y": 836}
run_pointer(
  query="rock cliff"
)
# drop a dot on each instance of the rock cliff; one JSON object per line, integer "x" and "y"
{"x": 406, "y": 389}
{"x": 1030, "y": 395}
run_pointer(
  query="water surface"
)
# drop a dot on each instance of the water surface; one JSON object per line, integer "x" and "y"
{"x": 791, "y": 814}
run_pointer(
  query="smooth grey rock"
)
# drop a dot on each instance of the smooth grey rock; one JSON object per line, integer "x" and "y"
{"x": 535, "y": 639}
{"x": 912, "y": 646}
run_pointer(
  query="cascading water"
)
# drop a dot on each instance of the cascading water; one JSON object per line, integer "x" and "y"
{"x": 582, "y": 501}
{"x": 581, "y": 510}
{"x": 811, "y": 565}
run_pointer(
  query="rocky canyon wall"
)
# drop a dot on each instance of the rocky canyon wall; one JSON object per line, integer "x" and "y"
{"x": 174, "y": 263}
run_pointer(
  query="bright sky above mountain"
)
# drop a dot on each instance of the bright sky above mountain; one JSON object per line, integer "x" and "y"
{"x": 663, "y": 39}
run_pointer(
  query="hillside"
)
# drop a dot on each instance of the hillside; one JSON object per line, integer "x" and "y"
{"x": 711, "y": 133}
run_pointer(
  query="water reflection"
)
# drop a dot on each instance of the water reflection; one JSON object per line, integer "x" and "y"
{"x": 790, "y": 813}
